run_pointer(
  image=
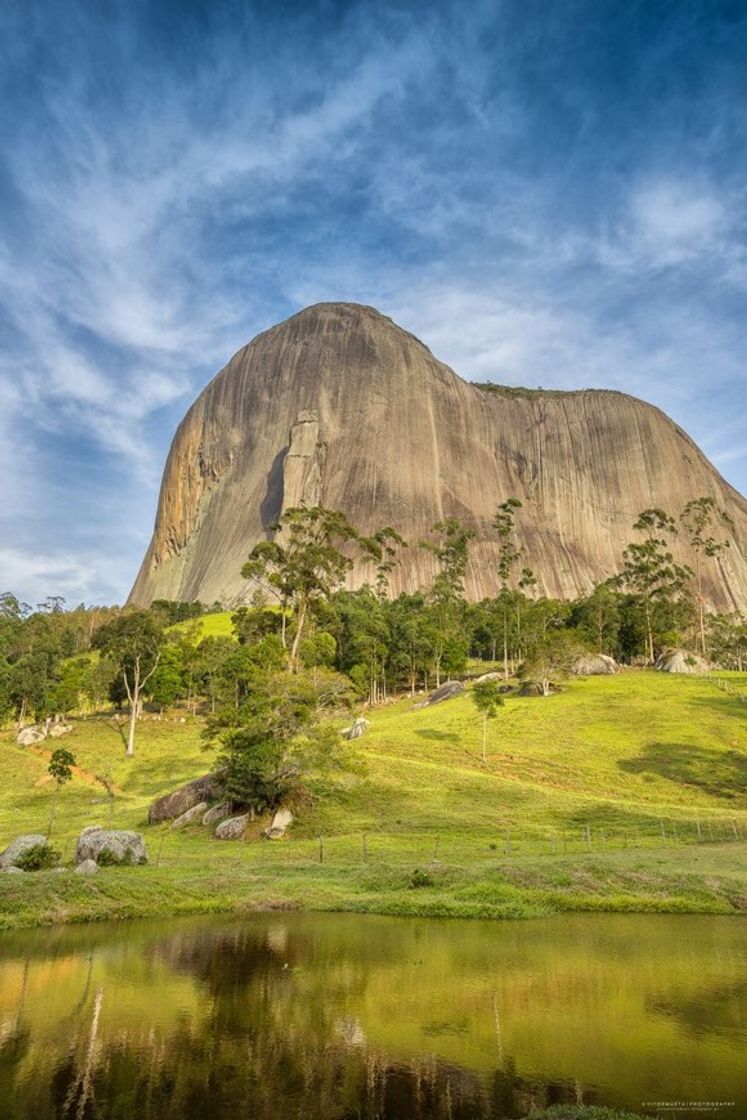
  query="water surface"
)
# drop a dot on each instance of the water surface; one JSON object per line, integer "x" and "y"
{"x": 338, "y": 1016}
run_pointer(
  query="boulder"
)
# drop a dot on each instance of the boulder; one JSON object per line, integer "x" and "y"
{"x": 282, "y": 820}
{"x": 87, "y": 867}
{"x": 57, "y": 730}
{"x": 356, "y": 729}
{"x": 217, "y": 813}
{"x": 531, "y": 688}
{"x": 446, "y": 691}
{"x": 17, "y": 847}
{"x": 172, "y": 805}
{"x": 493, "y": 675}
{"x": 594, "y": 665}
{"x": 232, "y": 829}
{"x": 30, "y": 736}
{"x": 120, "y": 845}
{"x": 195, "y": 813}
{"x": 681, "y": 661}
{"x": 12, "y": 870}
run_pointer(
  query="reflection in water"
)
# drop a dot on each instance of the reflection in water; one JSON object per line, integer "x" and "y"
{"x": 318, "y": 1016}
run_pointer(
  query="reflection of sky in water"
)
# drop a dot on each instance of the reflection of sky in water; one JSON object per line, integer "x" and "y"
{"x": 341, "y": 1015}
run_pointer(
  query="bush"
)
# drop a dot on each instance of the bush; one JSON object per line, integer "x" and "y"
{"x": 39, "y": 858}
{"x": 106, "y": 858}
{"x": 420, "y": 879}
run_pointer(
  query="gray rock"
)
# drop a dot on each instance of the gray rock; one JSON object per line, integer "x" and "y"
{"x": 121, "y": 845}
{"x": 57, "y": 730}
{"x": 356, "y": 729}
{"x": 87, "y": 867}
{"x": 195, "y": 813}
{"x": 217, "y": 813}
{"x": 493, "y": 675}
{"x": 446, "y": 691}
{"x": 594, "y": 665}
{"x": 681, "y": 661}
{"x": 173, "y": 804}
{"x": 30, "y": 736}
{"x": 17, "y": 847}
{"x": 13, "y": 870}
{"x": 232, "y": 829}
{"x": 280, "y": 823}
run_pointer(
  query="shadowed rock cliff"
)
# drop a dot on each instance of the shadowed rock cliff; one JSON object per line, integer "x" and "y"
{"x": 341, "y": 407}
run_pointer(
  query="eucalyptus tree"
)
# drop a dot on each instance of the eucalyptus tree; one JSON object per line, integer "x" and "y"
{"x": 650, "y": 572}
{"x": 132, "y": 642}
{"x": 702, "y": 520}
{"x": 305, "y": 562}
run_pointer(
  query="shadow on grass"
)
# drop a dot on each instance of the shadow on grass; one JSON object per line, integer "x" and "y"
{"x": 718, "y": 773}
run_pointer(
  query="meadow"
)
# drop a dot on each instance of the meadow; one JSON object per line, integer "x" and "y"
{"x": 619, "y": 793}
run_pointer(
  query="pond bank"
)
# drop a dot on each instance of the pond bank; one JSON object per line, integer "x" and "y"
{"x": 708, "y": 880}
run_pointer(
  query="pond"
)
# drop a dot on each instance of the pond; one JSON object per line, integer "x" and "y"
{"x": 289, "y": 1015}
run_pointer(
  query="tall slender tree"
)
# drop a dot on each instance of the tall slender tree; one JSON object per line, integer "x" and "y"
{"x": 650, "y": 571}
{"x": 702, "y": 519}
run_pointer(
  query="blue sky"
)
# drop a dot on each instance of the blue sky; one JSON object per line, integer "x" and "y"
{"x": 547, "y": 192}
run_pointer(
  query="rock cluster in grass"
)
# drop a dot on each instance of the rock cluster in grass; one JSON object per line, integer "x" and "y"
{"x": 176, "y": 803}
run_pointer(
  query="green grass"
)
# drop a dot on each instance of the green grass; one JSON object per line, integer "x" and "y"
{"x": 216, "y": 625}
{"x": 589, "y": 800}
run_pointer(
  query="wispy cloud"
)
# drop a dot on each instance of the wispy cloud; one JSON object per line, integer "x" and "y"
{"x": 174, "y": 180}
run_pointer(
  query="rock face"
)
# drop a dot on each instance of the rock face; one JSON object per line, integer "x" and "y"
{"x": 120, "y": 845}
{"x": 341, "y": 407}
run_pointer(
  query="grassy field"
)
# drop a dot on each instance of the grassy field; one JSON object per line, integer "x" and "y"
{"x": 594, "y": 799}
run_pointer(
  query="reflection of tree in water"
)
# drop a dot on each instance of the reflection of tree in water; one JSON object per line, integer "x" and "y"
{"x": 267, "y": 1048}
{"x": 198, "y": 1076}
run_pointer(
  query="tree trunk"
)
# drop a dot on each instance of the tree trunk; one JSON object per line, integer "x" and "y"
{"x": 297, "y": 637}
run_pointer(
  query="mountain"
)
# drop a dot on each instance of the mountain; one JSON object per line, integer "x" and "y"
{"x": 341, "y": 407}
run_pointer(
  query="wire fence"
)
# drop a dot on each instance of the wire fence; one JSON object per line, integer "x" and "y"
{"x": 401, "y": 850}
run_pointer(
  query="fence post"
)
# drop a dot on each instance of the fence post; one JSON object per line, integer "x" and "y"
{"x": 435, "y": 847}
{"x": 507, "y": 843}
{"x": 321, "y": 849}
{"x": 663, "y": 833}
{"x": 364, "y": 846}
{"x": 588, "y": 837}
{"x": 734, "y": 826}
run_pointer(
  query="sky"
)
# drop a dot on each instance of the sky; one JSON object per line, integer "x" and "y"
{"x": 547, "y": 192}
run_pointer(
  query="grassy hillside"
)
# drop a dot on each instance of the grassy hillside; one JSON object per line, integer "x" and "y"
{"x": 589, "y": 799}
{"x": 217, "y": 625}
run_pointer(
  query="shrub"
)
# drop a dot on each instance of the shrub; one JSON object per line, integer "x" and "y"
{"x": 420, "y": 879}
{"x": 39, "y": 858}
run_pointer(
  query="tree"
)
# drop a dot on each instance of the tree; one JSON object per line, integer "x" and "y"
{"x": 551, "y": 657}
{"x": 701, "y": 518}
{"x": 60, "y": 770}
{"x": 508, "y": 556}
{"x": 649, "y": 570}
{"x": 273, "y": 740}
{"x": 487, "y": 698}
{"x": 133, "y": 642}
{"x": 597, "y": 617}
{"x": 447, "y": 606}
{"x": 303, "y": 563}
